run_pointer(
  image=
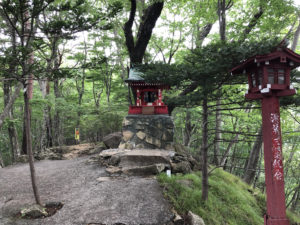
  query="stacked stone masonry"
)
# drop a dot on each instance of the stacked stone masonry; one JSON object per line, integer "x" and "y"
{"x": 147, "y": 132}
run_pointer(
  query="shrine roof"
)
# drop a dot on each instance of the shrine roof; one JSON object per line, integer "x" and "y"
{"x": 135, "y": 75}
{"x": 279, "y": 52}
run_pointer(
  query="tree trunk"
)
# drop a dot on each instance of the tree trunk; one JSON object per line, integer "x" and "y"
{"x": 57, "y": 134}
{"x": 29, "y": 149}
{"x": 10, "y": 103}
{"x": 204, "y": 148}
{"x": 202, "y": 34}
{"x": 80, "y": 86}
{"x": 253, "y": 159}
{"x": 225, "y": 155}
{"x": 296, "y": 199}
{"x": 259, "y": 169}
{"x": 232, "y": 165}
{"x": 1, "y": 161}
{"x": 222, "y": 19}
{"x": 217, "y": 133}
{"x": 290, "y": 159}
{"x": 46, "y": 129}
{"x": 13, "y": 137}
{"x": 187, "y": 129}
{"x": 136, "y": 49}
{"x": 293, "y": 202}
{"x": 7, "y": 89}
{"x": 296, "y": 37}
{"x": 97, "y": 96}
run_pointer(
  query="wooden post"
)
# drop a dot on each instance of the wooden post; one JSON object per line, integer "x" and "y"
{"x": 274, "y": 176}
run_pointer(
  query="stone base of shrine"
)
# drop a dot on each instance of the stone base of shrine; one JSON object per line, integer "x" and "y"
{"x": 147, "y": 132}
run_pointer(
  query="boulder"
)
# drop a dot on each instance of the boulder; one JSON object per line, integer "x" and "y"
{"x": 113, "y": 170}
{"x": 22, "y": 159}
{"x": 177, "y": 220}
{"x": 144, "y": 170}
{"x": 34, "y": 211}
{"x": 99, "y": 147}
{"x": 181, "y": 167}
{"x": 143, "y": 158}
{"x": 194, "y": 219}
{"x": 180, "y": 149}
{"x": 112, "y": 140}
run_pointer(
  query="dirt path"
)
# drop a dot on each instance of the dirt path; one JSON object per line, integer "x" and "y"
{"x": 125, "y": 200}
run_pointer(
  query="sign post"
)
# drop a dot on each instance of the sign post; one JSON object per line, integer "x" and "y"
{"x": 77, "y": 135}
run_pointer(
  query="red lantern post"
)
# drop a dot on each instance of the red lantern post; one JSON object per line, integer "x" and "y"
{"x": 269, "y": 79}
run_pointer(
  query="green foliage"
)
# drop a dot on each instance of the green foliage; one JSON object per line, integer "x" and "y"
{"x": 294, "y": 219}
{"x": 230, "y": 200}
{"x": 208, "y": 67}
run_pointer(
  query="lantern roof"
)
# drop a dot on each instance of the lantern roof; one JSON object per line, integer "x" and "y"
{"x": 281, "y": 52}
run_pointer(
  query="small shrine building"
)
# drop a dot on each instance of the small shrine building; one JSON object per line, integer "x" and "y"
{"x": 148, "y": 96}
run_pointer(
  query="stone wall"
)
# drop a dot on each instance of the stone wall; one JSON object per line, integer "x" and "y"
{"x": 147, "y": 132}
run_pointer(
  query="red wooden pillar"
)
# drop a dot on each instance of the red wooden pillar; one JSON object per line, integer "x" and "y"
{"x": 138, "y": 98}
{"x": 274, "y": 176}
{"x": 159, "y": 97}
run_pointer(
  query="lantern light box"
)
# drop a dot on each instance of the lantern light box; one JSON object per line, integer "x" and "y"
{"x": 269, "y": 74}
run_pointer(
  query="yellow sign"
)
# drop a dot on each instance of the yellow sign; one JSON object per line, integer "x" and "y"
{"x": 77, "y": 134}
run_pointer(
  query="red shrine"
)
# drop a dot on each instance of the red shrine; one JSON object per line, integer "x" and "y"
{"x": 148, "y": 95}
{"x": 269, "y": 79}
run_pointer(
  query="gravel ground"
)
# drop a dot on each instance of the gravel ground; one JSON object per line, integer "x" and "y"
{"x": 126, "y": 200}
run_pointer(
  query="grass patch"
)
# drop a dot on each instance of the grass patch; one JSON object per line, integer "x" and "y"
{"x": 230, "y": 200}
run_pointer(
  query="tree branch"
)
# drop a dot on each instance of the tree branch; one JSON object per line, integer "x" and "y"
{"x": 128, "y": 28}
{"x": 251, "y": 24}
{"x": 10, "y": 104}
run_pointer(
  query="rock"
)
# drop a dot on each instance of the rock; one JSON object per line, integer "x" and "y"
{"x": 100, "y": 147}
{"x": 149, "y": 132}
{"x": 144, "y": 170}
{"x": 135, "y": 162}
{"x": 143, "y": 158}
{"x": 194, "y": 219}
{"x": 180, "y": 149}
{"x": 127, "y": 135}
{"x": 126, "y": 122}
{"x": 181, "y": 167}
{"x": 178, "y": 220}
{"x": 112, "y": 140}
{"x": 167, "y": 136}
{"x": 153, "y": 141}
{"x": 141, "y": 135}
{"x": 114, "y": 160}
{"x": 113, "y": 170}
{"x": 122, "y": 146}
{"x": 129, "y": 145}
{"x": 22, "y": 159}
{"x": 69, "y": 152}
{"x": 104, "y": 179}
{"x": 34, "y": 211}
{"x": 140, "y": 146}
